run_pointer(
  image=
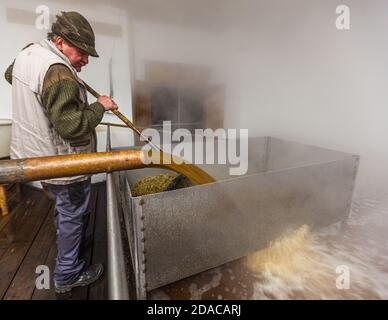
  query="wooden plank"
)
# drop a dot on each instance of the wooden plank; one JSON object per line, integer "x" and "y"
{"x": 23, "y": 284}
{"x": 4, "y": 220}
{"x": 13, "y": 192}
{"x": 14, "y": 218}
{"x": 98, "y": 290}
{"x": 18, "y": 210}
{"x": 14, "y": 209}
{"x": 11, "y": 229}
{"x": 43, "y": 250}
{"x": 22, "y": 235}
{"x": 3, "y": 247}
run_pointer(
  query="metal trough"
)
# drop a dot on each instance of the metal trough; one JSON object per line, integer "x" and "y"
{"x": 176, "y": 234}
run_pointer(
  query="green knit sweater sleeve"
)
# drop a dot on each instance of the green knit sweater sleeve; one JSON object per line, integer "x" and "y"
{"x": 65, "y": 110}
{"x": 8, "y": 73}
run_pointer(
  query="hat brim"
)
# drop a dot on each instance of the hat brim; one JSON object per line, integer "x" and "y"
{"x": 85, "y": 47}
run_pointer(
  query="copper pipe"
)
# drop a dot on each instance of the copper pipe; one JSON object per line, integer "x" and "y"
{"x": 34, "y": 169}
{"x": 42, "y": 168}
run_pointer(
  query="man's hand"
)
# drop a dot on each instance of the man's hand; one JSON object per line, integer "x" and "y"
{"x": 107, "y": 103}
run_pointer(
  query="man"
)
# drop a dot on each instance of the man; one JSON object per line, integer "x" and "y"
{"x": 51, "y": 116}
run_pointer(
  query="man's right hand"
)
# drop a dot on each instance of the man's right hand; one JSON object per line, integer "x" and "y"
{"x": 107, "y": 103}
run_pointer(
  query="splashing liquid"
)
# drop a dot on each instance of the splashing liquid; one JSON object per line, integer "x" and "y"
{"x": 191, "y": 171}
{"x": 281, "y": 256}
{"x": 304, "y": 264}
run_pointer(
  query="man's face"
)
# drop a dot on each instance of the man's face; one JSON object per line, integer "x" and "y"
{"x": 77, "y": 57}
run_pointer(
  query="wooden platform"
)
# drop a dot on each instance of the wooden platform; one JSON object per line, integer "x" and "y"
{"x": 27, "y": 240}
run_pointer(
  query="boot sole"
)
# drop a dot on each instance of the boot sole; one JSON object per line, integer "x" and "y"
{"x": 68, "y": 289}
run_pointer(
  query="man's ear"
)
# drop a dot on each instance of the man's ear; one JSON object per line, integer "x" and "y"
{"x": 59, "y": 43}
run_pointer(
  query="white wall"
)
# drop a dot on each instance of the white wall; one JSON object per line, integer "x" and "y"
{"x": 304, "y": 80}
{"x": 288, "y": 71}
{"x": 16, "y": 35}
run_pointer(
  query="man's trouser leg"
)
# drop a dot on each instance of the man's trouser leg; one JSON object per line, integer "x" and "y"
{"x": 71, "y": 204}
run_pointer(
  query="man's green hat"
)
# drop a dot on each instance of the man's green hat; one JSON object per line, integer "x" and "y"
{"x": 74, "y": 28}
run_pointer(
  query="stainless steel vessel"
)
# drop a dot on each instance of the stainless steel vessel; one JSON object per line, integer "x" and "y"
{"x": 176, "y": 234}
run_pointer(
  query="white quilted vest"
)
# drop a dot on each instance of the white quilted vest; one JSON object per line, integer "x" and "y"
{"x": 32, "y": 133}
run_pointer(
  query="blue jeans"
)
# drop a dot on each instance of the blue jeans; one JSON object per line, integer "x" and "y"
{"x": 71, "y": 205}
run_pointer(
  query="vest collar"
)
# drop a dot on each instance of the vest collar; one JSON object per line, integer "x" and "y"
{"x": 49, "y": 45}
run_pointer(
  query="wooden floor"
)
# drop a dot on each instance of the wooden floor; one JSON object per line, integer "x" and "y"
{"x": 27, "y": 240}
